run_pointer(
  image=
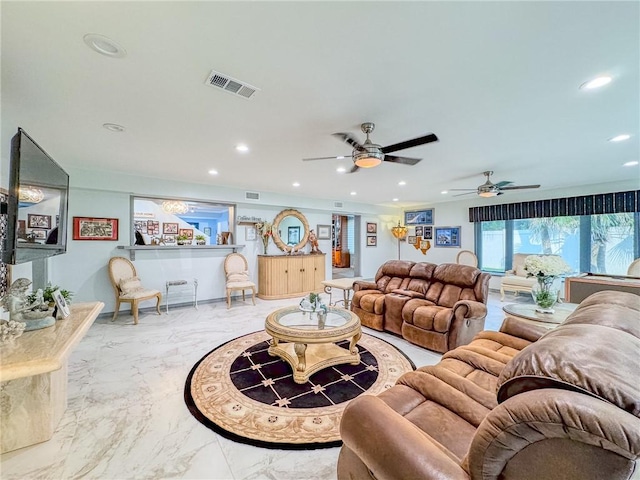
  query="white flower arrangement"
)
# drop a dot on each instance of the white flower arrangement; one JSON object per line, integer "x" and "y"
{"x": 545, "y": 266}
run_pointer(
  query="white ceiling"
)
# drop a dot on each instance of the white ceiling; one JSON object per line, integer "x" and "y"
{"x": 496, "y": 81}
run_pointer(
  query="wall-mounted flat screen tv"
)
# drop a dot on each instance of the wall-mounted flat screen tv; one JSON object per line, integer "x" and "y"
{"x": 37, "y": 204}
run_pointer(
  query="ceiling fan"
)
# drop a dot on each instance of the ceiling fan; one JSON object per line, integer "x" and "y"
{"x": 490, "y": 189}
{"x": 369, "y": 154}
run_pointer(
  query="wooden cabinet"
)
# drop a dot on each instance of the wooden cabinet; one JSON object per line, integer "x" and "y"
{"x": 286, "y": 276}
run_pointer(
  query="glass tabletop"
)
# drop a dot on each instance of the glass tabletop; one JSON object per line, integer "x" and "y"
{"x": 295, "y": 318}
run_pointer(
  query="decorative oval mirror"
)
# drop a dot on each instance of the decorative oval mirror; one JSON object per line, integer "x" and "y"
{"x": 290, "y": 229}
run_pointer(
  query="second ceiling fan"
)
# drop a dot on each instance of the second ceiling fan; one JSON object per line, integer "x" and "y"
{"x": 490, "y": 189}
{"x": 369, "y": 154}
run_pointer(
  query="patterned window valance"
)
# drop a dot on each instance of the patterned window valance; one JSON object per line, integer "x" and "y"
{"x": 618, "y": 202}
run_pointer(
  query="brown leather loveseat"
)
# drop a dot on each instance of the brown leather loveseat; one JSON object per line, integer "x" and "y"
{"x": 438, "y": 307}
{"x": 511, "y": 405}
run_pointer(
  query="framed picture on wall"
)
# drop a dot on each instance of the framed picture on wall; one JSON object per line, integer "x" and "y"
{"x": 153, "y": 227}
{"x": 447, "y": 237}
{"x": 372, "y": 227}
{"x": 372, "y": 241}
{"x": 39, "y": 234}
{"x": 411, "y": 239}
{"x": 169, "y": 239}
{"x": 324, "y": 232}
{"x": 39, "y": 221}
{"x": 207, "y": 231}
{"x": 293, "y": 235}
{"x": 188, "y": 232}
{"x": 419, "y": 231}
{"x": 427, "y": 233}
{"x": 170, "y": 228}
{"x": 85, "y": 228}
{"x": 250, "y": 234}
{"x": 419, "y": 217}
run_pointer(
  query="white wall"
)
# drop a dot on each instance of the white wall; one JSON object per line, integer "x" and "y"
{"x": 99, "y": 194}
{"x": 83, "y": 269}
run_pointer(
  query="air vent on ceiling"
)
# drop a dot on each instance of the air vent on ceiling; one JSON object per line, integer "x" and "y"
{"x": 251, "y": 196}
{"x": 230, "y": 85}
{"x": 338, "y": 205}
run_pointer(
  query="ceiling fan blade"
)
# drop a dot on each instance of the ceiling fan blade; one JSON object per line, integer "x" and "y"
{"x": 503, "y": 184}
{"x": 350, "y": 139}
{"x": 520, "y": 187}
{"x": 460, "y": 194}
{"x": 338, "y": 157}
{"x": 410, "y": 143}
{"x": 402, "y": 160}
{"x": 463, "y": 189}
{"x": 354, "y": 169}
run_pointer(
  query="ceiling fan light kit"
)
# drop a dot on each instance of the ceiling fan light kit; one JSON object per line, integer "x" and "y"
{"x": 489, "y": 189}
{"x": 369, "y": 154}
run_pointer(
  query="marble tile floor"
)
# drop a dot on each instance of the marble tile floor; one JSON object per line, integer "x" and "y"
{"x": 126, "y": 418}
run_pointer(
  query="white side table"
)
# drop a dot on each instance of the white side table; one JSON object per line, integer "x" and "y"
{"x": 182, "y": 283}
{"x": 344, "y": 284}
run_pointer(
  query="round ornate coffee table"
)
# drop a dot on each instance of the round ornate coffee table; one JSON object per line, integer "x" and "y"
{"x": 527, "y": 312}
{"x": 308, "y": 344}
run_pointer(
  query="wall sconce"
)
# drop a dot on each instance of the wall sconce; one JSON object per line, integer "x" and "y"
{"x": 400, "y": 233}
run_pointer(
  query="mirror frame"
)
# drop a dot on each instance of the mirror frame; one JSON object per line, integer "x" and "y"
{"x": 276, "y": 223}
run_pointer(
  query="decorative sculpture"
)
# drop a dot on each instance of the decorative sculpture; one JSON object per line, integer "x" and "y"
{"x": 35, "y": 315}
{"x": 313, "y": 241}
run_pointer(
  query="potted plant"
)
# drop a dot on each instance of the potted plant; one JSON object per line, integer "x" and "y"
{"x": 47, "y": 295}
{"x": 183, "y": 240}
{"x": 201, "y": 240}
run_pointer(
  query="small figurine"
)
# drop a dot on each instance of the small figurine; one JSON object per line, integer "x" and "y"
{"x": 313, "y": 241}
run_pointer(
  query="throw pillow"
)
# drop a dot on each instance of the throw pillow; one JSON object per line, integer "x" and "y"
{"x": 130, "y": 285}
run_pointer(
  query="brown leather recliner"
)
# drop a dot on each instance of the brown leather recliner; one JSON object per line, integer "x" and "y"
{"x": 438, "y": 307}
{"x": 511, "y": 405}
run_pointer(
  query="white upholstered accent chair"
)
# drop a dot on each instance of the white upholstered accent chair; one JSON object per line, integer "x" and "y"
{"x": 236, "y": 270}
{"x": 516, "y": 280}
{"x": 634, "y": 268}
{"x": 467, "y": 257}
{"x": 127, "y": 287}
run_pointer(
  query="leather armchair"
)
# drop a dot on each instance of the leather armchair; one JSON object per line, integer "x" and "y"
{"x": 567, "y": 405}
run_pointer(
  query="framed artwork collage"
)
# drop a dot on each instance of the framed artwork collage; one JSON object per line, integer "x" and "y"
{"x": 372, "y": 234}
{"x": 424, "y": 231}
{"x": 37, "y": 228}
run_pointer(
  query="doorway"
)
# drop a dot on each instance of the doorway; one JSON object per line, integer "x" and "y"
{"x": 345, "y": 246}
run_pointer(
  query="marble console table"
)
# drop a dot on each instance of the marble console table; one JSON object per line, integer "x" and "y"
{"x": 33, "y": 378}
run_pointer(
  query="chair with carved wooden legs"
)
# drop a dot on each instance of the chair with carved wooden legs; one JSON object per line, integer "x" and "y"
{"x": 236, "y": 269}
{"x": 127, "y": 287}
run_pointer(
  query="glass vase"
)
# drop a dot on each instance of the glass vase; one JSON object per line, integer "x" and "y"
{"x": 545, "y": 294}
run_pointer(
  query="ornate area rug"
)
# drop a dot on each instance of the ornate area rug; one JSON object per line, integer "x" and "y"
{"x": 243, "y": 393}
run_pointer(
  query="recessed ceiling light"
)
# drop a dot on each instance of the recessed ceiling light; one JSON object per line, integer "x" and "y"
{"x": 353, "y": 193}
{"x": 596, "y": 82}
{"x": 104, "y": 45}
{"x": 296, "y": 184}
{"x": 242, "y": 147}
{"x": 632, "y": 163}
{"x": 113, "y": 127}
{"x": 402, "y": 182}
{"x": 444, "y": 192}
{"x": 213, "y": 172}
{"x": 395, "y": 199}
{"x": 620, "y": 138}
{"x": 341, "y": 169}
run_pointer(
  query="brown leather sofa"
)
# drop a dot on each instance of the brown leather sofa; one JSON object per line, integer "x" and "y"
{"x": 511, "y": 405}
{"x": 438, "y": 307}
